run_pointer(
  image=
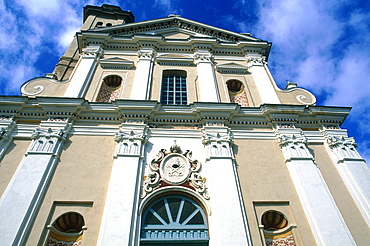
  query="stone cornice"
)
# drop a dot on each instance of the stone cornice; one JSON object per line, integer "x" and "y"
{"x": 153, "y": 113}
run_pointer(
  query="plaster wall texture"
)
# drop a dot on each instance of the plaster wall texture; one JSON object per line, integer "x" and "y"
{"x": 350, "y": 212}
{"x": 81, "y": 177}
{"x": 11, "y": 160}
{"x": 264, "y": 177}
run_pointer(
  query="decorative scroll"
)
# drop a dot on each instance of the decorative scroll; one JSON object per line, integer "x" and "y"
{"x": 294, "y": 146}
{"x": 174, "y": 168}
{"x": 129, "y": 143}
{"x": 217, "y": 145}
{"x": 47, "y": 141}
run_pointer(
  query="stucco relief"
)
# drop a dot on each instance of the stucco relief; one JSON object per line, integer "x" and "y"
{"x": 294, "y": 146}
{"x": 343, "y": 147}
{"x": 174, "y": 168}
{"x": 217, "y": 145}
{"x": 47, "y": 140}
{"x": 129, "y": 143}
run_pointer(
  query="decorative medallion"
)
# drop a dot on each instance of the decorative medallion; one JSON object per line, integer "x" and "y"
{"x": 174, "y": 168}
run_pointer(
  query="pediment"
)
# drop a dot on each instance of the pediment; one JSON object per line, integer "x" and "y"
{"x": 174, "y": 27}
{"x": 116, "y": 62}
{"x": 232, "y": 67}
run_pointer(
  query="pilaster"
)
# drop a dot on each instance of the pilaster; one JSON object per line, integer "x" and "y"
{"x": 223, "y": 186}
{"x": 143, "y": 75}
{"x": 262, "y": 79}
{"x": 84, "y": 71}
{"x": 6, "y": 128}
{"x": 323, "y": 215}
{"x": 207, "y": 83}
{"x": 22, "y": 198}
{"x": 351, "y": 167}
{"x": 119, "y": 220}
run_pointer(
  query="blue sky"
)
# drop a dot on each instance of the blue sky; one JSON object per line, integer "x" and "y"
{"x": 321, "y": 45}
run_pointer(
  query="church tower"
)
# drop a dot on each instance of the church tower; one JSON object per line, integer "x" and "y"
{"x": 173, "y": 132}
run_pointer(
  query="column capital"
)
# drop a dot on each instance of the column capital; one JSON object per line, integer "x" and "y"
{"x": 201, "y": 56}
{"x": 129, "y": 142}
{"x": 293, "y": 145}
{"x": 146, "y": 54}
{"x": 343, "y": 148}
{"x": 92, "y": 51}
{"x": 218, "y": 144}
{"x": 256, "y": 60}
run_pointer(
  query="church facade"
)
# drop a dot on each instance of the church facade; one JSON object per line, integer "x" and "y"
{"x": 173, "y": 132}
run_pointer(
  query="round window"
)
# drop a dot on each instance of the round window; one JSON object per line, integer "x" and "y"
{"x": 113, "y": 81}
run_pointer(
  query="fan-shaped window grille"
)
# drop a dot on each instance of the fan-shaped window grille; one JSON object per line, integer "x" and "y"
{"x": 174, "y": 88}
{"x": 236, "y": 92}
{"x": 67, "y": 230}
{"x": 175, "y": 220}
{"x": 110, "y": 89}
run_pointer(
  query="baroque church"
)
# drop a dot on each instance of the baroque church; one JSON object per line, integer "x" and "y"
{"x": 174, "y": 132}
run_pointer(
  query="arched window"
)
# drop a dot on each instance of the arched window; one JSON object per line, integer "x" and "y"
{"x": 66, "y": 230}
{"x": 236, "y": 92}
{"x": 174, "y": 220}
{"x": 110, "y": 89}
{"x": 276, "y": 229}
{"x": 174, "y": 88}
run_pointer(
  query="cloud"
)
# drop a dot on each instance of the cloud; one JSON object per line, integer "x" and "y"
{"x": 321, "y": 45}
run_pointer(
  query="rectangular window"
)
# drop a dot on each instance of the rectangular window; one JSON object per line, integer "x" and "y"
{"x": 174, "y": 91}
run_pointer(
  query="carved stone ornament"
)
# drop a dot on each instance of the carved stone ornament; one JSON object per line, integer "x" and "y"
{"x": 174, "y": 168}
{"x": 256, "y": 60}
{"x": 294, "y": 146}
{"x": 146, "y": 54}
{"x": 47, "y": 140}
{"x": 203, "y": 57}
{"x": 92, "y": 51}
{"x": 129, "y": 143}
{"x": 343, "y": 147}
{"x": 217, "y": 145}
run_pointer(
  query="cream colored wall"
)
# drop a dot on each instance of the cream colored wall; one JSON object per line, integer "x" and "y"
{"x": 250, "y": 88}
{"x": 191, "y": 72}
{"x": 79, "y": 184}
{"x": 100, "y": 73}
{"x": 265, "y": 178}
{"x": 11, "y": 161}
{"x": 344, "y": 201}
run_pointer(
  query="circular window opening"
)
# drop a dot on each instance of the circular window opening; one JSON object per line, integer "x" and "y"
{"x": 234, "y": 85}
{"x": 69, "y": 223}
{"x": 113, "y": 81}
{"x": 108, "y": 24}
{"x": 273, "y": 220}
{"x": 98, "y": 24}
